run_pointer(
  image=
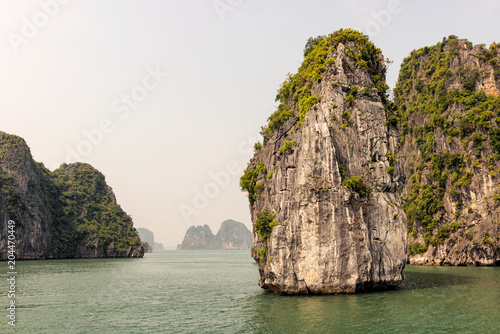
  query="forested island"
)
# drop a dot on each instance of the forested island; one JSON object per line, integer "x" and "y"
{"x": 68, "y": 213}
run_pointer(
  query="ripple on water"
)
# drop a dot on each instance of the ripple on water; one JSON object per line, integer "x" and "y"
{"x": 217, "y": 292}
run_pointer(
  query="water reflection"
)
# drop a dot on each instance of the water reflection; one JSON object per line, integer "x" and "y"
{"x": 432, "y": 277}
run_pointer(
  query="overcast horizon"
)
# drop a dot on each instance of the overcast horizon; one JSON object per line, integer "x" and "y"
{"x": 166, "y": 98}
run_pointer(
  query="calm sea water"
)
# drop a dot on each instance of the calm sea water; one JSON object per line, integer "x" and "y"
{"x": 217, "y": 292}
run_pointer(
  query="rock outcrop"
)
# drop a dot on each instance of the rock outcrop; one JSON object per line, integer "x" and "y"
{"x": 146, "y": 235}
{"x": 197, "y": 238}
{"x": 339, "y": 163}
{"x": 19, "y": 174}
{"x": 323, "y": 187}
{"x": 149, "y": 237}
{"x": 447, "y": 101}
{"x": 68, "y": 213}
{"x": 231, "y": 235}
{"x": 147, "y": 247}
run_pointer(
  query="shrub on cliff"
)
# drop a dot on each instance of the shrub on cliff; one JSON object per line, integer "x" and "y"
{"x": 416, "y": 248}
{"x": 265, "y": 223}
{"x": 248, "y": 181}
{"x": 358, "y": 185}
{"x": 287, "y": 147}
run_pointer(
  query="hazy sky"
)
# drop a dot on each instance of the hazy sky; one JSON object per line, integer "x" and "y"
{"x": 163, "y": 97}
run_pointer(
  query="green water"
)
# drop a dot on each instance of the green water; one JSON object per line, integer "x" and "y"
{"x": 217, "y": 292}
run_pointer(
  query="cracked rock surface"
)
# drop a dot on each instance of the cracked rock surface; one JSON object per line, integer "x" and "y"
{"x": 329, "y": 238}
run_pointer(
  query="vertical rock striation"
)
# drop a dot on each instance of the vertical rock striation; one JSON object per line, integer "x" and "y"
{"x": 323, "y": 186}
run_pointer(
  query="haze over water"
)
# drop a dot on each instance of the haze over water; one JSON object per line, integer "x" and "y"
{"x": 217, "y": 292}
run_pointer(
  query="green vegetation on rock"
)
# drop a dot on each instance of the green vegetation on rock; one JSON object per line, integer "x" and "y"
{"x": 11, "y": 197}
{"x": 90, "y": 204}
{"x": 296, "y": 96}
{"x": 73, "y": 206}
{"x": 248, "y": 181}
{"x": 442, "y": 130}
{"x": 423, "y": 87}
{"x": 357, "y": 185}
{"x": 342, "y": 172}
{"x": 416, "y": 248}
{"x": 265, "y": 223}
{"x": 264, "y": 226}
{"x": 287, "y": 147}
{"x": 437, "y": 96}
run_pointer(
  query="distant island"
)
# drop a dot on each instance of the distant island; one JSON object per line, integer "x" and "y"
{"x": 231, "y": 235}
{"x": 68, "y": 213}
{"x": 148, "y": 238}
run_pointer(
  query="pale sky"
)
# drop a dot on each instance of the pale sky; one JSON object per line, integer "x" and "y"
{"x": 172, "y": 94}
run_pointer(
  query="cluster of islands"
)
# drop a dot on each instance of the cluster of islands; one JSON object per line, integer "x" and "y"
{"x": 231, "y": 235}
{"x": 72, "y": 213}
{"x": 347, "y": 187}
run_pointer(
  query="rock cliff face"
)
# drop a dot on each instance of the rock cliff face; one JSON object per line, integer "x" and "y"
{"x": 19, "y": 174}
{"x": 448, "y": 105}
{"x": 68, "y": 213}
{"x": 323, "y": 186}
{"x": 149, "y": 237}
{"x": 231, "y": 235}
{"x": 146, "y": 235}
{"x": 339, "y": 163}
